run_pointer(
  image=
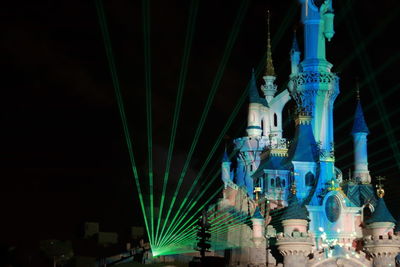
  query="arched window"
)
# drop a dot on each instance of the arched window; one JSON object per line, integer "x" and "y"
{"x": 278, "y": 181}
{"x": 275, "y": 120}
{"x": 309, "y": 179}
{"x": 283, "y": 182}
{"x": 272, "y": 182}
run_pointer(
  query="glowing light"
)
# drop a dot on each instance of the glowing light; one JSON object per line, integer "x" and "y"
{"x": 321, "y": 229}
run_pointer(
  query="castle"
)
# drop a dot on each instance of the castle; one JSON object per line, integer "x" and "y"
{"x": 302, "y": 212}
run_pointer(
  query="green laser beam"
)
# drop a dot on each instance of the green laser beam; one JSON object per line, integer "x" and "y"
{"x": 120, "y": 103}
{"x": 181, "y": 87}
{"x": 214, "y": 87}
{"x": 147, "y": 67}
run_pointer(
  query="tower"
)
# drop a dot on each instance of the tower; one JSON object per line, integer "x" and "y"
{"x": 360, "y": 132}
{"x": 315, "y": 87}
{"x": 382, "y": 245}
{"x": 295, "y": 243}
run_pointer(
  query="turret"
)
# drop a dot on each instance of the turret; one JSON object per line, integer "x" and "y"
{"x": 226, "y": 169}
{"x": 258, "y": 254}
{"x": 382, "y": 245}
{"x": 255, "y": 104}
{"x": 360, "y": 132}
{"x": 295, "y": 56}
{"x": 295, "y": 243}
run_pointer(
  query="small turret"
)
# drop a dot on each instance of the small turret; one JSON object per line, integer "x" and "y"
{"x": 258, "y": 254}
{"x": 382, "y": 245}
{"x": 360, "y": 132}
{"x": 295, "y": 56}
{"x": 295, "y": 243}
{"x": 254, "y": 116}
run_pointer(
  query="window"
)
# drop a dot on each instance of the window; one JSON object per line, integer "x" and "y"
{"x": 278, "y": 181}
{"x": 310, "y": 179}
{"x": 272, "y": 182}
{"x": 275, "y": 120}
{"x": 283, "y": 182}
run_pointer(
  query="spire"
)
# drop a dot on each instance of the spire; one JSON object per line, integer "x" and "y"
{"x": 269, "y": 70}
{"x": 253, "y": 92}
{"x": 294, "y": 209}
{"x": 225, "y": 157}
{"x": 359, "y": 125}
{"x": 295, "y": 44}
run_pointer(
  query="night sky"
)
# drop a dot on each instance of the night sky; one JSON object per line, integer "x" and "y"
{"x": 63, "y": 155}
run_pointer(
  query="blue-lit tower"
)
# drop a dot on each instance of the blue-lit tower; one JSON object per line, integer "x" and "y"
{"x": 360, "y": 132}
{"x": 314, "y": 87}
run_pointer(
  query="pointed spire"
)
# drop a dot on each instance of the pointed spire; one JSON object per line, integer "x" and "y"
{"x": 269, "y": 71}
{"x": 253, "y": 91}
{"x": 295, "y": 44}
{"x": 254, "y": 97}
{"x": 225, "y": 157}
{"x": 359, "y": 125}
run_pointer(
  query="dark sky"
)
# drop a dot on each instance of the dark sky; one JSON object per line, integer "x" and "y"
{"x": 63, "y": 156}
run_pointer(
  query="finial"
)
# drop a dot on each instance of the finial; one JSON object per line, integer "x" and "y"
{"x": 293, "y": 189}
{"x": 270, "y": 71}
{"x": 358, "y": 90}
{"x": 257, "y": 190}
{"x": 380, "y": 191}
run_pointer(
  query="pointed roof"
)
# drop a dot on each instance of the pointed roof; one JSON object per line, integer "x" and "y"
{"x": 381, "y": 213}
{"x": 295, "y": 44}
{"x": 269, "y": 70}
{"x": 225, "y": 157}
{"x": 295, "y": 210}
{"x": 257, "y": 214}
{"x": 359, "y": 125}
{"x": 303, "y": 147}
{"x": 254, "y": 97}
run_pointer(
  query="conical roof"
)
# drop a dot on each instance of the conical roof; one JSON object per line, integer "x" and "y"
{"x": 304, "y": 147}
{"x": 295, "y": 210}
{"x": 381, "y": 213}
{"x": 257, "y": 214}
{"x": 359, "y": 125}
{"x": 254, "y": 97}
{"x": 295, "y": 44}
{"x": 225, "y": 157}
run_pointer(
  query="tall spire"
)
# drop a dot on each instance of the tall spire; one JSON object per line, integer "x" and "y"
{"x": 359, "y": 125}
{"x": 269, "y": 70}
{"x": 295, "y": 44}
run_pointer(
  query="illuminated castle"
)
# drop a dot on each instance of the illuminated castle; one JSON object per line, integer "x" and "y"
{"x": 302, "y": 212}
